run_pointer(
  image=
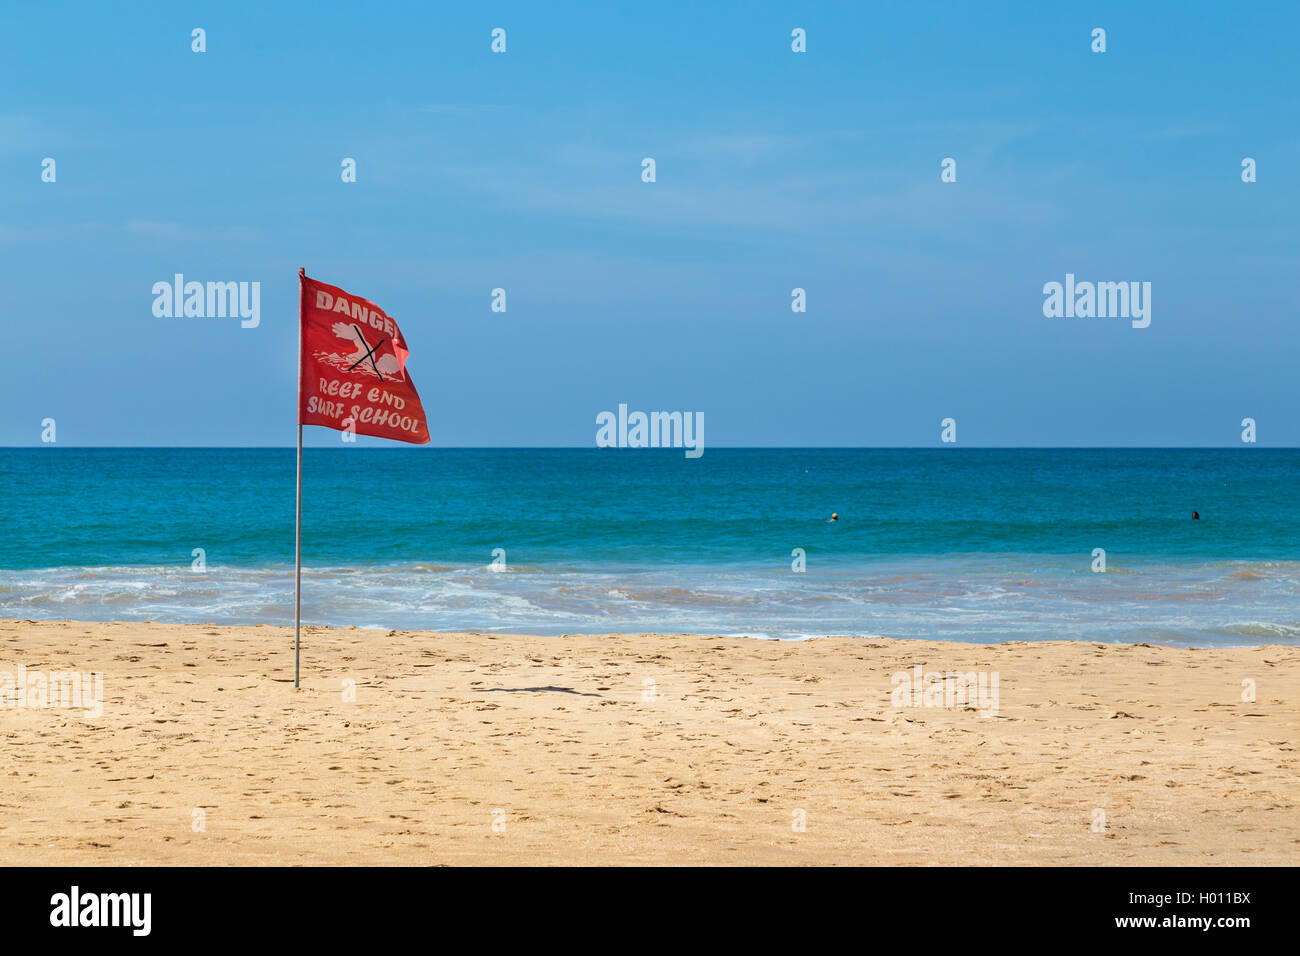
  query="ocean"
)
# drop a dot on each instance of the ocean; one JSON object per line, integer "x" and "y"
{"x": 949, "y": 543}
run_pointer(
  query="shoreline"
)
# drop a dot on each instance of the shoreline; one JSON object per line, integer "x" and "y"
{"x": 1120, "y": 596}
{"x": 486, "y": 748}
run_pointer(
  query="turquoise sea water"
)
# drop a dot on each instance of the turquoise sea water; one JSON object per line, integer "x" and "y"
{"x": 964, "y": 544}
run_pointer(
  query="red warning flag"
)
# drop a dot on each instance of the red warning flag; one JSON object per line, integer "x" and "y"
{"x": 354, "y": 367}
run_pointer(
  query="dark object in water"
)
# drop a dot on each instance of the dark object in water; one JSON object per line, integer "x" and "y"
{"x": 1196, "y": 515}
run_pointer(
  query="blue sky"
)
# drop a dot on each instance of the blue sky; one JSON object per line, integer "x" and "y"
{"x": 775, "y": 170}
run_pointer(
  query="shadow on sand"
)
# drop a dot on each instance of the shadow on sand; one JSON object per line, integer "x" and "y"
{"x": 534, "y": 690}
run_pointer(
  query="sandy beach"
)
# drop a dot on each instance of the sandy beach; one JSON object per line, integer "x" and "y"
{"x": 433, "y": 748}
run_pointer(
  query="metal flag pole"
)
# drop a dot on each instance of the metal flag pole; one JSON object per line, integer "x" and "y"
{"x": 297, "y": 525}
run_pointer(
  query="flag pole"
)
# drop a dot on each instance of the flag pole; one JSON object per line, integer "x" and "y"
{"x": 297, "y": 525}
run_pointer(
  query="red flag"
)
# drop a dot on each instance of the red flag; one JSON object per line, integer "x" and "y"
{"x": 354, "y": 367}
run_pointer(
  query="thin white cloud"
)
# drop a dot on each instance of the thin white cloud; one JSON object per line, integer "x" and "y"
{"x": 1184, "y": 132}
{"x": 459, "y": 109}
{"x": 180, "y": 232}
{"x": 19, "y": 134}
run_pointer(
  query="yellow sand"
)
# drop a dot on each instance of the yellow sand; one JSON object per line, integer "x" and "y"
{"x": 640, "y": 749}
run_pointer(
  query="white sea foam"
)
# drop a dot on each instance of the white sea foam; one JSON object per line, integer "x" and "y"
{"x": 983, "y": 598}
